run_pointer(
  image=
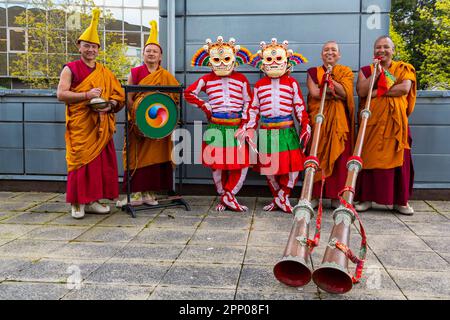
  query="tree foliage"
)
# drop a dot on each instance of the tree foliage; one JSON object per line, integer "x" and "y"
{"x": 51, "y": 37}
{"x": 423, "y": 27}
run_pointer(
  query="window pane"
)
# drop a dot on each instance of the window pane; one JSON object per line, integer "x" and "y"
{"x": 113, "y": 37}
{"x": 5, "y": 83}
{"x": 57, "y": 18}
{"x": 3, "y": 40}
{"x": 16, "y": 64}
{"x": 2, "y": 15}
{"x": 133, "y": 3}
{"x": 132, "y": 20}
{"x": 151, "y": 3}
{"x": 57, "y": 43}
{"x": 3, "y": 65}
{"x": 116, "y": 21}
{"x": 133, "y": 40}
{"x": 37, "y": 65}
{"x": 16, "y": 40}
{"x": 13, "y": 12}
{"x": 35, "y": 16}
{"x": 55, "y": 64}
{"x": 72, "y": 37}
{"x": 114, "y": 3}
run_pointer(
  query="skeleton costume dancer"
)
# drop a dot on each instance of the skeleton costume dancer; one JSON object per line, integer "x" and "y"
{"x": 275, "y": 98}
{"x": 229, "y": 96}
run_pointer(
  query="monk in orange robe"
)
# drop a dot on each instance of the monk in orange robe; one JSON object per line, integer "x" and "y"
{"x": 388, "y": 174}
{"x": 151, "y": 166}
{"x": 90, "y": 152}
{"x": 337, "y": 131}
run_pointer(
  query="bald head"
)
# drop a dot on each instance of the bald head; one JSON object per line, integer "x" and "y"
{"x": 331, "y": 42}
{"x": 387, "y": 38}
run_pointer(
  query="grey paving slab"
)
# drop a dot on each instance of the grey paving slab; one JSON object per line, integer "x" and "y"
{"x": 121, "y": 219}
{"x": 71, "y": 271}
{"x": 228, "y": 237}
{"x": 175, "y": 222}
{"x": 429, "y": 229}
{"x": 55, "y": 233}
{"x": 16, "y": 206}
{"x": 31, "y": 291}
{"x": 212, "y": 254}
{"x": 424, "y": 217}
{"x": 3, "y": 241}
{"x": 446, "y": 256}
{"x": 13, "y": 231}
{"x": 61, "y": 197}
{"x": 108, "y": 292}
{"x": 399, "y": 242}
{"x": 202, "y": 275}
{"x": 441, "y": 206}
{"x": 412, "y": 296}
{"x": 263, "y": 255}
{"x": 168, "y": 236}
{"x": 51, "y": 207}
{"x": 386, "y": 227}
{"x": 200, "y": 200}
{"x": 149, "y": 252}
{"x": 35, "y": 196}
{"x": 262, "y": 295}
{"x": 86, "y": 250}
{"x": 32, "y": 218}
{"x": 438, "y": 244}
{"x": 196, "y": 211}
{"x": 88, "y": 220}
{"x": 129, "y": 273}
{"x": 30, "y": 248}
{"x": 268, "y": 239}
{"x": 261, "y": 278}
{"x": 259, "y": 212}
{"x": 423, "y": 283}
{"x": 226, "y": 223}
{"x": 361, "y": 295}
{"x": 186, "y": 293}
{"x": 9, "y": 266}
{"x": 110, "y": 234}
{"x": 7, "y": 215}
{"x": 412, "y": 260}
{"x": 272, "y": 224}
{"x": 4, "y": 195}
{"x": 420, "y": 206}
{"x": 228, "y": 213}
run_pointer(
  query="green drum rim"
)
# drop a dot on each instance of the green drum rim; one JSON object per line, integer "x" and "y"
{"x": 161, "y": 101}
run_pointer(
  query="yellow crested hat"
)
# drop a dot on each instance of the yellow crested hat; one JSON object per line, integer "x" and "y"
{"x": 91, "y": 33}
{"x": 153, "y": 37}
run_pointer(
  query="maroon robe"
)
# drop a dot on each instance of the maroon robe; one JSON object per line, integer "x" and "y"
{"x": 156, "y": 177}
{"x": 99, "y": 178}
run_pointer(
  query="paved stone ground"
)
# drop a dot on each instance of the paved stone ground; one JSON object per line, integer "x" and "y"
{"x": 202, "y": 254}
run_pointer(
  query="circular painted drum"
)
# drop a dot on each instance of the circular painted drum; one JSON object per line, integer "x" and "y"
{"x": 156, "y": 115}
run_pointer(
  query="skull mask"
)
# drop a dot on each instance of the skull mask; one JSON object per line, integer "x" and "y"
{"x": 274, "y": 58}
{"x": 222, "y": 57}
{"x": 222, "y": 60}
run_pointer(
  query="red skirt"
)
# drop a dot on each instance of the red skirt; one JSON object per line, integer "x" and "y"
{"x": 156, "y": 177}
{"x": 96, "y": 180}
{"x": 387, "y": 186}
{"x": 336, "y": 182}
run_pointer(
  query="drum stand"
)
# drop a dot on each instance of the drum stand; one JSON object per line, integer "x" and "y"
{"x": 172, "y": 200}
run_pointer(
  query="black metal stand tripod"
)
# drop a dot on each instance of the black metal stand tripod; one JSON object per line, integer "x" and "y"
{"x": 172, "y": 200}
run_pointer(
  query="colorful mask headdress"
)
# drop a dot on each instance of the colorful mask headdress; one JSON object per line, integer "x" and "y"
{"x": 275, "y": 59}
{"x": 221, "y": 56}
{"x": 91, "y": 33}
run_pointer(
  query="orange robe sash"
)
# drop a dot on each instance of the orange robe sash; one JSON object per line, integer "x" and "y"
{"x": 87, "y": 131}
{"x": 387, "y": 128}
{"x": 145, "y": 151}
{"x": 336, "y": 129}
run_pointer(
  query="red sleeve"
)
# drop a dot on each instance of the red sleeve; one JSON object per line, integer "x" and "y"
{"x": 191, "y": 93}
